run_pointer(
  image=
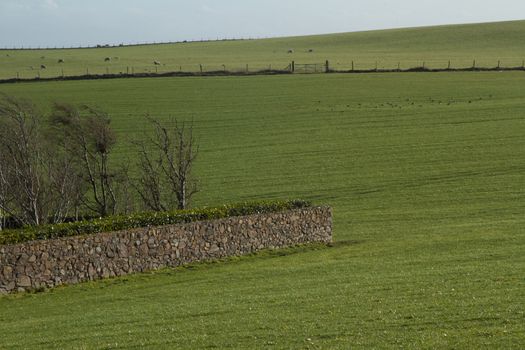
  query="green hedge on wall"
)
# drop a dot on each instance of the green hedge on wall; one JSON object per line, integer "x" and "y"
{"x": 123, "y": 222}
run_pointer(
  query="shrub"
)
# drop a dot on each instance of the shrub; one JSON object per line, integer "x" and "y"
{"x": 123, "y": 222}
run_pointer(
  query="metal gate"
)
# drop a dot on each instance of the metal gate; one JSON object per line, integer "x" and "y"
{"x": 309, "y": 68}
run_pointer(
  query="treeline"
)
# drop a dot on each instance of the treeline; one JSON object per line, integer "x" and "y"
{"x": 58, "y": 167}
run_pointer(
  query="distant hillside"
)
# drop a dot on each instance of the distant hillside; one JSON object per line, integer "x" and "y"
{"x": 487, "y": 43}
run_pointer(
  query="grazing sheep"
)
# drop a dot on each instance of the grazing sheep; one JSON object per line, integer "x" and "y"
{"x": 43, "y": 66}
{"x": 311, "y": 50}
{"x": 60, "y": 60}
{"x": 157, "y": 63}
{"x": 107, "y": 59}
{"x": 290, "y": 51}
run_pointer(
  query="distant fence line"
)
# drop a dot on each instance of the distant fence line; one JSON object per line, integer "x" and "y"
{"x": 108, "y": 46}
{"x": 115, "y": 72}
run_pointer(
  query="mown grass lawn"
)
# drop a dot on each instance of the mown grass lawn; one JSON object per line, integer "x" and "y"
{"x": 426, "y": 175}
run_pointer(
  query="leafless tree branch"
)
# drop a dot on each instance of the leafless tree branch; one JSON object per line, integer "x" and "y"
{"x": 166, "y": 179}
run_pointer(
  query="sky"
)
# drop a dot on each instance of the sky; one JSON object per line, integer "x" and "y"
{"x": 57, "y": 23}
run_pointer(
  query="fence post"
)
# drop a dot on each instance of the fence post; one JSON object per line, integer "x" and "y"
{"x": 156, "y": 69}
{"x": 293, "y": 66}
{"x": 474, "y": 64}
{"x": 448, "y": 65}
{"x": 200, "y": 66}
{"x": 398, "y": 66}
{"x": 498, "y": 64}
{"x": 327, "y": 67}
{"x": 352, "y": 66}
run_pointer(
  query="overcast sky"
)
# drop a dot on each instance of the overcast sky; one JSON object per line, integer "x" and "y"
{"x": 87, "y": 22}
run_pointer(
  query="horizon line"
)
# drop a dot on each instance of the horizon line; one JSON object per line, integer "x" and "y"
{"x": 202, "y": 40}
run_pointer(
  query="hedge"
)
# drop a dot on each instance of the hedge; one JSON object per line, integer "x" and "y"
{"x": 123, "y": 222}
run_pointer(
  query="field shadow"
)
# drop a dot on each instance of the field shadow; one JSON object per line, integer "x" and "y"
{"x": 265, "y": 254}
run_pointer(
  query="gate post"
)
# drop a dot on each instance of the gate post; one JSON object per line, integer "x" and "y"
{"x": 327, "y": 67}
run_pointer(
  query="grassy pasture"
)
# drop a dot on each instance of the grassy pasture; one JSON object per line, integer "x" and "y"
{"x": 426, "y": 175}
{"x": 486, "y": 43}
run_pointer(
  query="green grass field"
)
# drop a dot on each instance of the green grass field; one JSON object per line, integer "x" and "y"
{"x": 485, "y": 43}
{"x": 426, "y": 175}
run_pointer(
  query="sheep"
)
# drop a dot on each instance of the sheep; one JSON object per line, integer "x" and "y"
{"x": 157, "y": 63}
{"x": 60, "y": 60}
{"x": 43, "y": 66}
{"x": 107, "y": 59}
{"x": 311, "y": 50}
{"x": 290, "y": 51}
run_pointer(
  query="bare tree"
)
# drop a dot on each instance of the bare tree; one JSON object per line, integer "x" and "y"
{"x": 7, "y": 194}
{"x": 35, "y": 182}
{"x": 126, "y": 197}
{"x": 66, "y": 184}
{"x": 90, "y": 140}
{"x": 150, "y": 183}
{"x": 165, "y": 165}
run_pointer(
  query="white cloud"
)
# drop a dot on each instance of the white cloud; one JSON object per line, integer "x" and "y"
{"x": 206, "y": 8}
{"x": 51, "y": 4}
{"x": 136, "y": 11}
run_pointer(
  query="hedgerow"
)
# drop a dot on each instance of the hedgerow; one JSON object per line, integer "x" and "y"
{"x": 123, "y": 222}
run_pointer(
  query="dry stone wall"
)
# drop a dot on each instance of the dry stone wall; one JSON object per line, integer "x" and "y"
{"x": 49, "y": 263}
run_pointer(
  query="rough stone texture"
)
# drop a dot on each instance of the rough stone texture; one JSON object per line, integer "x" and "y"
{"x": 50, "y": 263}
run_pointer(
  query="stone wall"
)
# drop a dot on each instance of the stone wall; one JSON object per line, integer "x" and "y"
{"x": 50, "y": 263}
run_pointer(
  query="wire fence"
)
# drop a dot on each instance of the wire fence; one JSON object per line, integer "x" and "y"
{"x": 64, "y": 72}
{"x": 458, "y": 64}
{"x": 57, "y": 72}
